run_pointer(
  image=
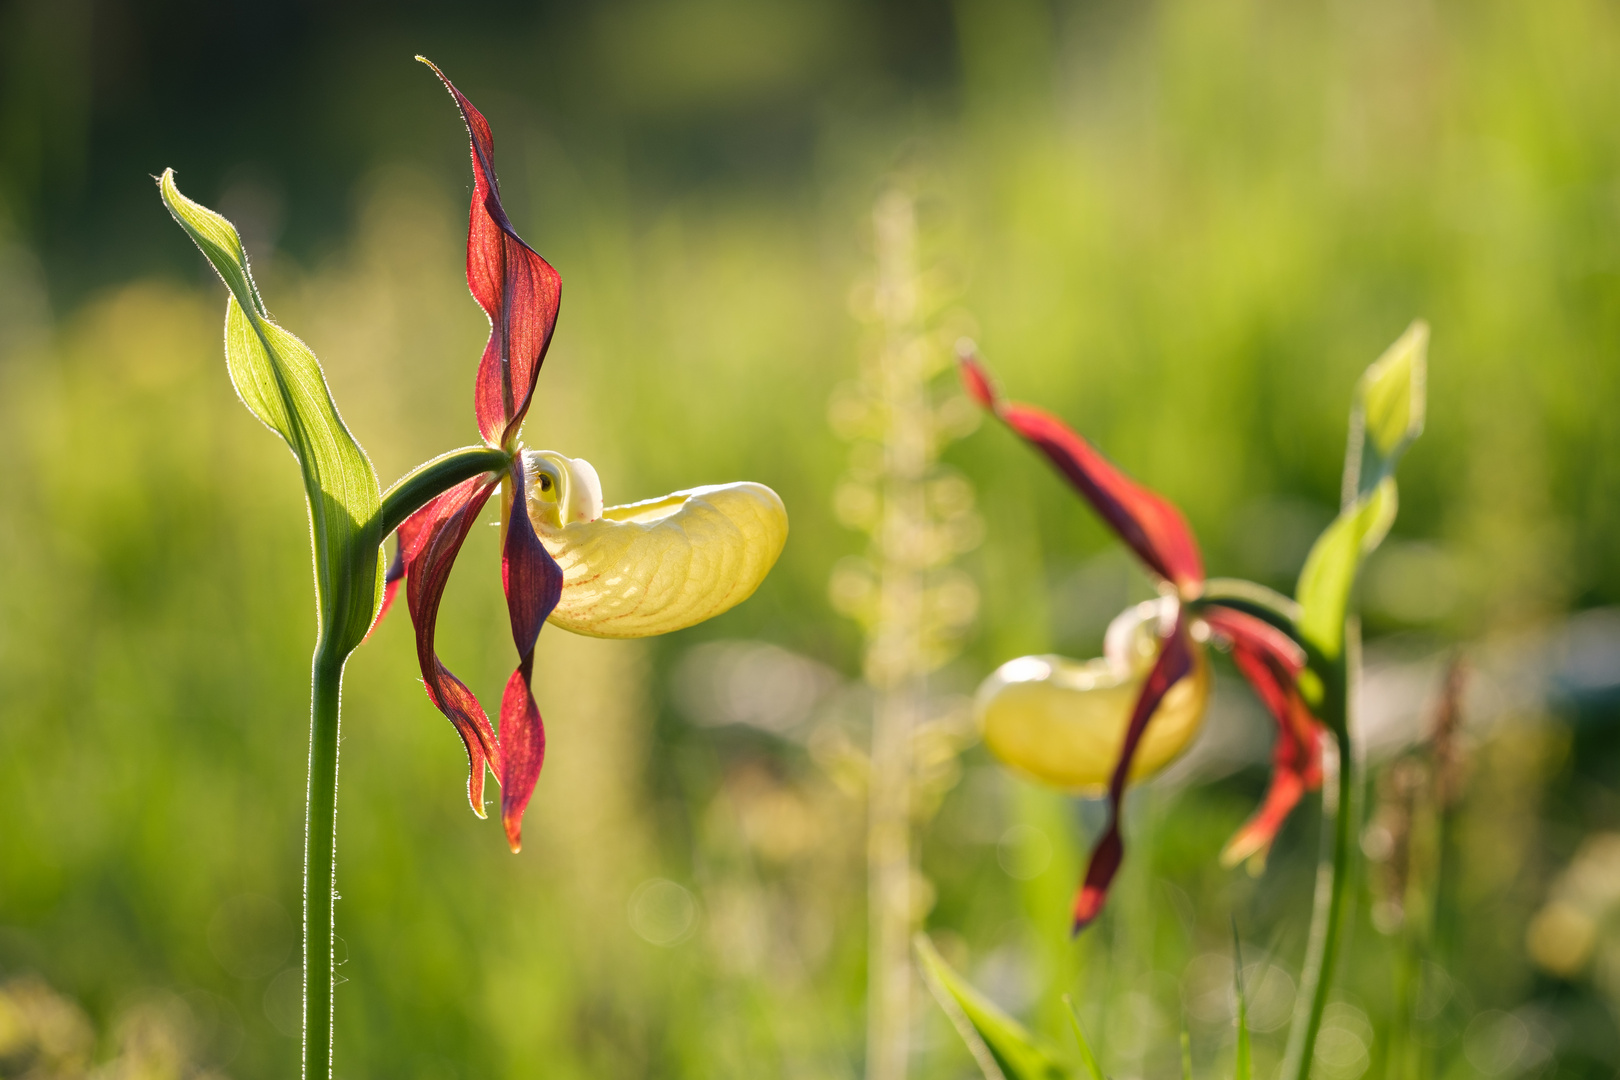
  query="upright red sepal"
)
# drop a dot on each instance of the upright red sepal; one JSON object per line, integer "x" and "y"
{"x": 518, "y": 290}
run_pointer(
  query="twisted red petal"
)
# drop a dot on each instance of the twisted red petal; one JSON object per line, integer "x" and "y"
{"x": 533, "y": 583}
{"x": 517, "y": 289}
{"x": 1271, "y": 662}
{"x": 1148, "y": 522}
{"x": 391, "y": 580}
{"x": 1174, "y": 663}
{"x": 429, "y": 542}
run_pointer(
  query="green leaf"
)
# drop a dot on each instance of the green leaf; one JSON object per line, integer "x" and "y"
{"x": 280, "y": 381}
{"x": 1087, "y": 1058}
{"x": 1186, "y": 1051}
{"x": 1243, "y": 1067}
{"x": 1004, "y": 1048}
{"x": 1388, "y": 412}
{"x": 1330, "y": 568}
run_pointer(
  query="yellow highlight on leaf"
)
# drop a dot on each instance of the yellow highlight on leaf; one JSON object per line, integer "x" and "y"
{"x": 1062, "y": 722}
{"x": 650, "y": 567}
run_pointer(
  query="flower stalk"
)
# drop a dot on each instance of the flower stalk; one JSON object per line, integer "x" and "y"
{"x": 1328, "y": 902}
{"x": 912, "y": 604}
{"x": 320, "y": 863}
{"x": 896, "y": 648}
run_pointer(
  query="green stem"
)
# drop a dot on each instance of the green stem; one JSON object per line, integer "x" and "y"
{"x": 320, "y": 821}
{"x": 320, "y": 864}
{"x": 1332, "y": 887}
{"x": 425, "y": 482}
{"x": 1255, "y": 599}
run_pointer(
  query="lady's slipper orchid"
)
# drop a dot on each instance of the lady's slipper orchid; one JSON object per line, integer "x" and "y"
{"x": 623, "y": 571}
{"x": 1121, "y": 718}
{"x": 1061, "y": 722}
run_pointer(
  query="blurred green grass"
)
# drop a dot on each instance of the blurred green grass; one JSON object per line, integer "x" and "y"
{"x": 1185, "y": 226}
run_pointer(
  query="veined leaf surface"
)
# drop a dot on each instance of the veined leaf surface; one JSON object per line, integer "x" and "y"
{"x": 280, "y": 381}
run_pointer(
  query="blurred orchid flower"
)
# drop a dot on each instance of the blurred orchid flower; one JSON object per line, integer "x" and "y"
{"x": 1096, "y": 726}
{"x": 622, "y": 571}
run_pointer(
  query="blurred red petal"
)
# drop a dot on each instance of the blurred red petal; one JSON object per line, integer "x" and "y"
{"x": 533, "y": 583}
{"x": 976, "y": 378}
{"x": 429, "y": 543}
{"x": 1148, "y": 522}
{"x": 1271, "y": 661}
{"x": 518, "y": 290}
{"x": 1174, "y": 663}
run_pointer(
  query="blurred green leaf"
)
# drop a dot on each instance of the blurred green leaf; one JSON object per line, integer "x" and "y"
{"x": 1243, "y": 1065}
{"x": 1004, "y": 1048}
{"x": 1186, "y": 1051}
{"x": 1386, "y": 417}
{"x": 1330, "y": 568}
{"x": 1087, "y": 1058}
{"x": 1388, "y": 412}
{"x": 280, "y": 381}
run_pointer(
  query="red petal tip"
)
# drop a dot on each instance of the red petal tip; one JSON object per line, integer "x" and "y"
{"x": 975, "y": 376}
{"x": 1087, "y": 906}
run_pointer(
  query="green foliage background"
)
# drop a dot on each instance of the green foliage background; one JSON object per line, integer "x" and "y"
{"x": 1186, "y": 226}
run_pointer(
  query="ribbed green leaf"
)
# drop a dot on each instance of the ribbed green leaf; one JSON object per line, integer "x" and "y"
{"x": 999, "y": 1043}
{"x": 280, "y": 381}
{"x": 1388, "y": 412}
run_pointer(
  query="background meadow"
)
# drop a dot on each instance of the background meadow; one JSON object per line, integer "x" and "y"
{"x": 1186, "y": 226}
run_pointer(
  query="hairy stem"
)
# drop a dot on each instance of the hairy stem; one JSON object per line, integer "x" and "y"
{"x": 428, "y": 481}
{"x": 320, "y": 864}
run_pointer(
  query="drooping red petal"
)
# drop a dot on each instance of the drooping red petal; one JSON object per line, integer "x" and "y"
{"x": 533, "y": 583}
{"x": 1271, "y": 662}
{"x": 517, "y": 289}
{"x": 430, "y": 540}
{"x": 1175, "y": 662}
{"x": 1148, "y": 522}
{"x": 391, "y": 580}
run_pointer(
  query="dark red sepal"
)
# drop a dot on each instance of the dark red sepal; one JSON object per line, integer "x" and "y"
{"x": 533, "y": 583}
{"x": 518, "y": 290}
{"x": 1271, "y": 662}
{"x": 1148, "y": 522}
{"x": 429, "y": 542}
{"x": 1174, "y": 663}
{"x": 391, "y": 580}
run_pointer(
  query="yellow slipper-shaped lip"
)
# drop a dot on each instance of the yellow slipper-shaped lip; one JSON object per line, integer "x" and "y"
{"x": 650, "y": 567}
{"x": 1062, "y": 722}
